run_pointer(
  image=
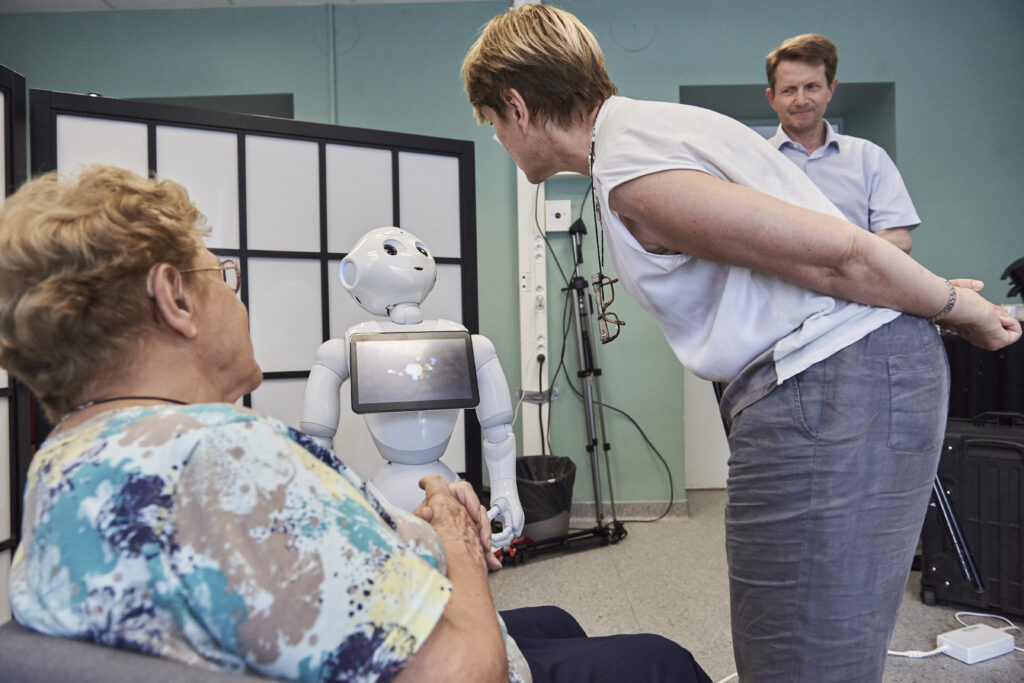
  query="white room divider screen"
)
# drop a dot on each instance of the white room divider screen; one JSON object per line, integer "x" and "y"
{"x": 288, "y": 199}
{"x": 12, "y": 432}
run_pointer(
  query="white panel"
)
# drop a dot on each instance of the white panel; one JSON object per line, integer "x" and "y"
{"x": 206, "y": 163}
{"x": 284, "y": 312}
{"x": 3, "y": 379}
{"x": 429, "y": 200}
{"x": 281, "y": 398}
{"x": 82, "y": 141}
{"x": 282, "y": 190}
{"x": 5, "y": 572}
{"x": 5, "y": 469}
{"x": 359, "y": 195}
{"x": 445, "y": 301}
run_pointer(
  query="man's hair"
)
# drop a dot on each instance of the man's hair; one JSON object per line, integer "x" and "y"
{"x": 810, "y": 48}
{"x": 545, "y": 54}
{"x": 75, "y": 255}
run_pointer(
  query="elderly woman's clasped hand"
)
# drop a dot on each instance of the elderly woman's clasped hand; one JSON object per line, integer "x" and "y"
{"x": 455, "y": 509}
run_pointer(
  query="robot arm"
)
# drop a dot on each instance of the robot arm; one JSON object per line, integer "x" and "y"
{"x": 321, "y": 408}
{"x": 495, "y": 415}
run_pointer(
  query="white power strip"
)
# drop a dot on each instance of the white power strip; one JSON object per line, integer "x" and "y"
{"x": 976, "y": 643}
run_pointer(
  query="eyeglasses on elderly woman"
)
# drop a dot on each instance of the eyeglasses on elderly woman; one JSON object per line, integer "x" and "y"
{"x": 228, "y": 269}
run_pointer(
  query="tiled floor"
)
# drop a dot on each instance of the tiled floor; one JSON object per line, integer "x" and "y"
{"x": 669, "y": 577}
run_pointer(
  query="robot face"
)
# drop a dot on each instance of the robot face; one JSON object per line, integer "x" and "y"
{"x": 388, "y": 266}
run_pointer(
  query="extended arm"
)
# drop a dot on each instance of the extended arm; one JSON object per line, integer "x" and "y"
{"x": 495, "y": 415}
{"x": 695, "y": 213}
{"x": 466, "y": 644}
{"x": 321, "y": 407}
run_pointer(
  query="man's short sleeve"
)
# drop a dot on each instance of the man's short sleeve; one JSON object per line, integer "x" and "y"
{"x": 889, "y": 203}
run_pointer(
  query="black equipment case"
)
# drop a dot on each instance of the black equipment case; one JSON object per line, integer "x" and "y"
{"x": 972, "y": 544}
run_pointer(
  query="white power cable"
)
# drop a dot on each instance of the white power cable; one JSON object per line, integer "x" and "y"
{"x": 918, "y": 654}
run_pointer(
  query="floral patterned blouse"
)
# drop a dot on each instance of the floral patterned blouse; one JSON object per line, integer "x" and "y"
{"x": 218, "y": 537}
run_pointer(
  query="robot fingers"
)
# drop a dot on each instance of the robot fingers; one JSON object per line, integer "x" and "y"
{"x": 503, "y": 538}
{"x": 508, "y": 531}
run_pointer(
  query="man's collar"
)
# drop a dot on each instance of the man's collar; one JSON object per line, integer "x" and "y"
{"x": 781, "y": 138}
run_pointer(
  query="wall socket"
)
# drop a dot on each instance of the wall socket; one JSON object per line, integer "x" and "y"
{"x": 557, "y": 215}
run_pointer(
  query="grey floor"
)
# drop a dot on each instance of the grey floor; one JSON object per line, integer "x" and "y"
{"x": 669, "y": 578}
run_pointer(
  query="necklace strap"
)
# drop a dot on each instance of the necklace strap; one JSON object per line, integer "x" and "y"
{"x": 111, "y": 399}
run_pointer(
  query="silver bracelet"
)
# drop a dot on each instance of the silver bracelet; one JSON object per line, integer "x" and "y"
{"x": 949, "y": 305}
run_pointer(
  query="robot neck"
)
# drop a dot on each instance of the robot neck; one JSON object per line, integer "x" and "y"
{"x": 405, "y": 314}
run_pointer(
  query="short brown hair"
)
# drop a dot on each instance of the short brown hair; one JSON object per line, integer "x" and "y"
{"x": 810, "y": 48}
{"x": 74, "y": 258}
{"x": 545, "y": 54}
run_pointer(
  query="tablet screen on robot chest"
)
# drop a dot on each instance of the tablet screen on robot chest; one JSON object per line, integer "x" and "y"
{"x": 399, "y": 371}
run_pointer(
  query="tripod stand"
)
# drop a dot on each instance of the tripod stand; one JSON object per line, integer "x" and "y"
{"x": 593, "y": 410}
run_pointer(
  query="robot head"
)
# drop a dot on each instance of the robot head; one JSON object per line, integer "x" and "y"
{"x": 387, "y": 267}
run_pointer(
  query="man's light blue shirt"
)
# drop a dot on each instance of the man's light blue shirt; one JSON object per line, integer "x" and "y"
{"x": 857, "y": 176}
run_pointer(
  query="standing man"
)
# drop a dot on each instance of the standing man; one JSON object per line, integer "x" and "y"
{"x": 855, "y": 174}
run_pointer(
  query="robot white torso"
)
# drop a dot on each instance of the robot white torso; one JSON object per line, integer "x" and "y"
{"x": 389, "y": 272}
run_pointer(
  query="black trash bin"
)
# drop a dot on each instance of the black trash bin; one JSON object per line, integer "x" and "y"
{"x": 545, "y": 490}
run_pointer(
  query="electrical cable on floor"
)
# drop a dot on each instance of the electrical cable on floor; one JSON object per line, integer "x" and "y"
{"x": 918, "y": 654}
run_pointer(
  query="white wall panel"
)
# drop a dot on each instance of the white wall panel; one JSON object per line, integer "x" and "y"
{"x": 205, "y": 162}
{"x": 82, "y": 141}
{"x": 282, "y": 194}
{"x": 284, "y": 312}
{"x": 445, "y": 301}
{"x": 4, "y": 381}
{"x": 429, "y": 200}
{"x": 359, "y": 193}
{"x": 281, "y": 398}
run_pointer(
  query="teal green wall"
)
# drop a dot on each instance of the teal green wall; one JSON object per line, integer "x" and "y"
{"x": 958, "y": 92}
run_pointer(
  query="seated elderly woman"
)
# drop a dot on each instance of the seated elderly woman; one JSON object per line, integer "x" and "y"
{"x": 164, "y": 519}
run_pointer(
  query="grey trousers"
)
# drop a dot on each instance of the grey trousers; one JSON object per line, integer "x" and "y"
{"x": 829, "y": 478}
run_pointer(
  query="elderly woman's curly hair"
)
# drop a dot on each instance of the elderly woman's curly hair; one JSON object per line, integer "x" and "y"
{"x": 74, "y": 258}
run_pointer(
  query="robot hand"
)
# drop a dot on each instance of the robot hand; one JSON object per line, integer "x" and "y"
{"x": 505, "y": 504}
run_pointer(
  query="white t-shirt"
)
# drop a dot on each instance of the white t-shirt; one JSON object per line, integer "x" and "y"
{"x": 717, "y": 318}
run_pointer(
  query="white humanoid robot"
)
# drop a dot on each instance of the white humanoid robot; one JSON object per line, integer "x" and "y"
{"x": 410, "y": 377}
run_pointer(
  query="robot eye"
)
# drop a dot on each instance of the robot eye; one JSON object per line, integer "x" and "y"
{"x": 420, "y": 248}
{"x": 389, "y": 249}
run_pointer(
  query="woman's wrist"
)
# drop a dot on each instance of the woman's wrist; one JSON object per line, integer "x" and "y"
{"x": 950, "y": 303}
